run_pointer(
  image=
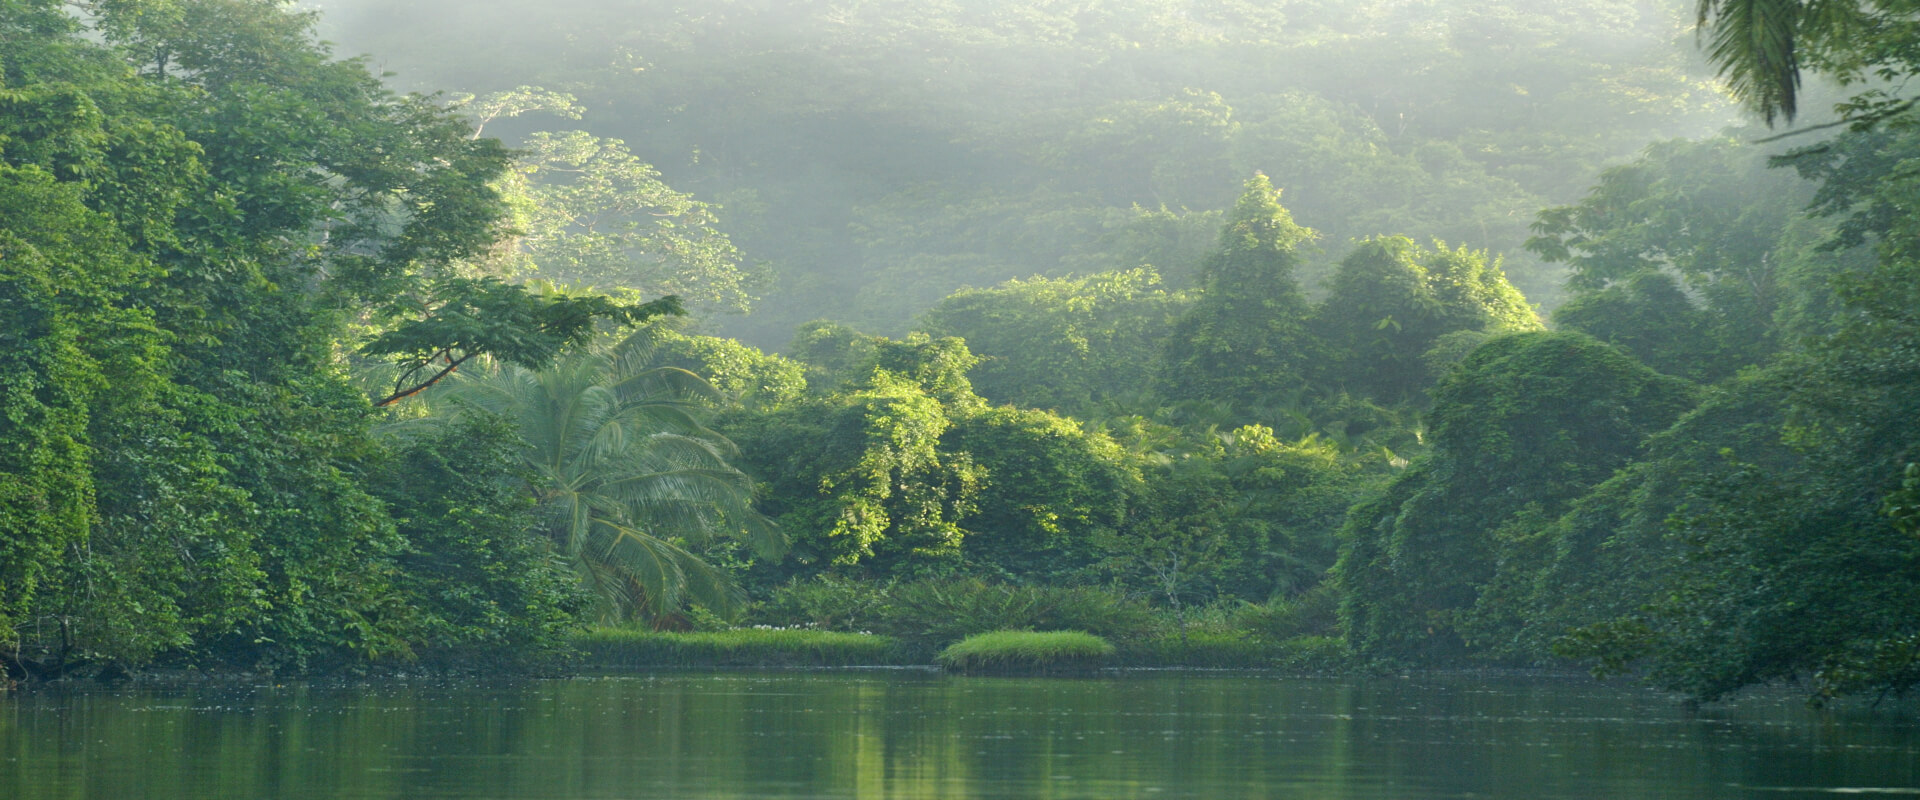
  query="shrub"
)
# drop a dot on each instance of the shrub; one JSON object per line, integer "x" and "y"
{"x": 621, "y": 648}
{"x": 826, "y": 603}
{"x": 1312, "y": 613}
{"x": 1200, "y": 648}
{"x": 1313, "y": 654}
{"x": 1048, "y": 652}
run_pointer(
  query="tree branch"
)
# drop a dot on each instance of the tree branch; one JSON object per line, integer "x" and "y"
{"x": 402, "y": 394}
{"x": 1864, "y": 122}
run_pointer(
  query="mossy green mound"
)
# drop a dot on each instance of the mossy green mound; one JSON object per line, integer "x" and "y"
{"x": 1027, "y": 653}
{"x": 616, "y": 648}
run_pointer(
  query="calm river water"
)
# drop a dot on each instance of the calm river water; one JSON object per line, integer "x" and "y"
{"x": 909, "y": 734}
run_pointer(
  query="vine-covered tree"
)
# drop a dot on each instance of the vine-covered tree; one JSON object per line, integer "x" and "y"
{"x": 1522, "y": 428}
{"x": 1391, "y": 302}
{"x": 1244, "y": 342}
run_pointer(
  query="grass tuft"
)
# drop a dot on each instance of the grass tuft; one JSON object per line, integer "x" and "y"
{"x": 619, "y": 648}
{"x": 1027, "y": 652}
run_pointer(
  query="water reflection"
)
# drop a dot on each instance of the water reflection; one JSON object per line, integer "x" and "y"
{"x": 921, "y": 735}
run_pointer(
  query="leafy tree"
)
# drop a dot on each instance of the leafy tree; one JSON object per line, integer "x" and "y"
{"x": 62, "y": 271}
{"x": 464, "y": 318}
{"x": 1710, "y": 217}
{"x": 884, "y": 156}
{"x": 834, "y": 354}
{"x": 1239, "y": 514}
{"x": 1521, "y": 429}
{"x": 204, "y": 211}
{"x": 742, "y": 375}
{"x": 625, "y": 475}
{"x": 1050, "y": 493}
{"x": 1392, "y": 301}
{"x": 1244, "y": 341}
{"x": 1651, "y": 317}
{"x": 1068, "y": 344}
{"x": 859, "y": 474}
{"x": 587, "y": 211}
{"x": 485, "y": 591}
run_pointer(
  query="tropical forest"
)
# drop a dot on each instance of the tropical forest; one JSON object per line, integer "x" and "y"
{"x": 1380, "y": 337}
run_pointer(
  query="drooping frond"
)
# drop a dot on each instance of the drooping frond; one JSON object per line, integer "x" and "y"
{"x": 1754, "y": 44}
{"x": 1761, "y": 46}
{"x": 627, "y": 474}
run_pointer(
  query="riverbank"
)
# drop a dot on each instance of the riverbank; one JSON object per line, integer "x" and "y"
{"x": 622, "y": 649}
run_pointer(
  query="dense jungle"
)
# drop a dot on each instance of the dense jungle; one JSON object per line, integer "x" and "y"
{"x": 357, "y": 338}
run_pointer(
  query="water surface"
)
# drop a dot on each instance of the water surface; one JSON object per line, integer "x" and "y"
{"x": 910, "y": 734}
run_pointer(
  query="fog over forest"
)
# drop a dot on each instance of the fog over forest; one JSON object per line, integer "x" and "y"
{"x": 870, "y": 158}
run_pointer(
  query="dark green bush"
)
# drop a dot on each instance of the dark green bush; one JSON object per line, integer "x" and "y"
{"x": 1311, "y": 613}
{"x": 1199, "y": 648}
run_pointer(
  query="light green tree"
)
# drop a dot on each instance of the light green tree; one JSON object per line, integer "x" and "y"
{"x": 1245, "y": 340}
{"x": 586, "y": 210}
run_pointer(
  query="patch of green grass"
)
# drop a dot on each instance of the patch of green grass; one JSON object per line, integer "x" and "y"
{"x": 1027, "y": 652}
{"x": 618, "y": 648}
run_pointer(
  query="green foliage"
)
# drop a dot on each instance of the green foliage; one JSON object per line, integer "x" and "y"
{"x": 1790, "y": 565}
{"x": 742, "y": 375}
{"x": 218, "y": 473}
{"x": 1050, "y": 492}
{"x": 884, "y": 156}
{"x": 936, "y": 613}
{"x": 825, "y": 602}
{"x": 1045, "y": 652}
{"x": 1391, "y": 302}
{"x": 1649, "y": 316}
{"x": 1244, "y": 341}
{"x": 460, "y": 319}
{"x": 624, "y": 648}
{"x": 1708, "y": 215}
{"x": 626, "y": 475}
{"x": 49, "y": 302}
{"x": 1068, "y": 344}
{"x": 834, "y": 354}
{"x": 1241, "y": 514}
{"x": 586, "y": 211}
{"x": 484, "y": 590}
{"x": 1314, "y": 612}
{"x": 860, "y": 475}
{"x": 1522, "y": 428}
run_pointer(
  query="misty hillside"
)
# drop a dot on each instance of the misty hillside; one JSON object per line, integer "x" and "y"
{"x": 869, "y": 158}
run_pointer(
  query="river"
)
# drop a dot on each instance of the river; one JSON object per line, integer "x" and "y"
{"x": 913, "y": 734}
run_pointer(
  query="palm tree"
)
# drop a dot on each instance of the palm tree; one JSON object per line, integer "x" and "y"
{"x": 1761, "y": 45}
{"x": 627, "y": 477}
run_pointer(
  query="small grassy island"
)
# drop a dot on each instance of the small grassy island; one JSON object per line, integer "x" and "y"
{"x": 1028, "y": 653}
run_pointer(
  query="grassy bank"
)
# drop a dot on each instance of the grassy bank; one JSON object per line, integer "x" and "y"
{"x": 616, "y": 648}
{"x": 1028, "y": 652}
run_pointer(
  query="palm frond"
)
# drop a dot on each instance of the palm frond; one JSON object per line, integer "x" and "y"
{"x": 625, "y": 470}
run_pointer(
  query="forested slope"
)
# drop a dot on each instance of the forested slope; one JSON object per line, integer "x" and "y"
{"x": 877, "y": 156}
